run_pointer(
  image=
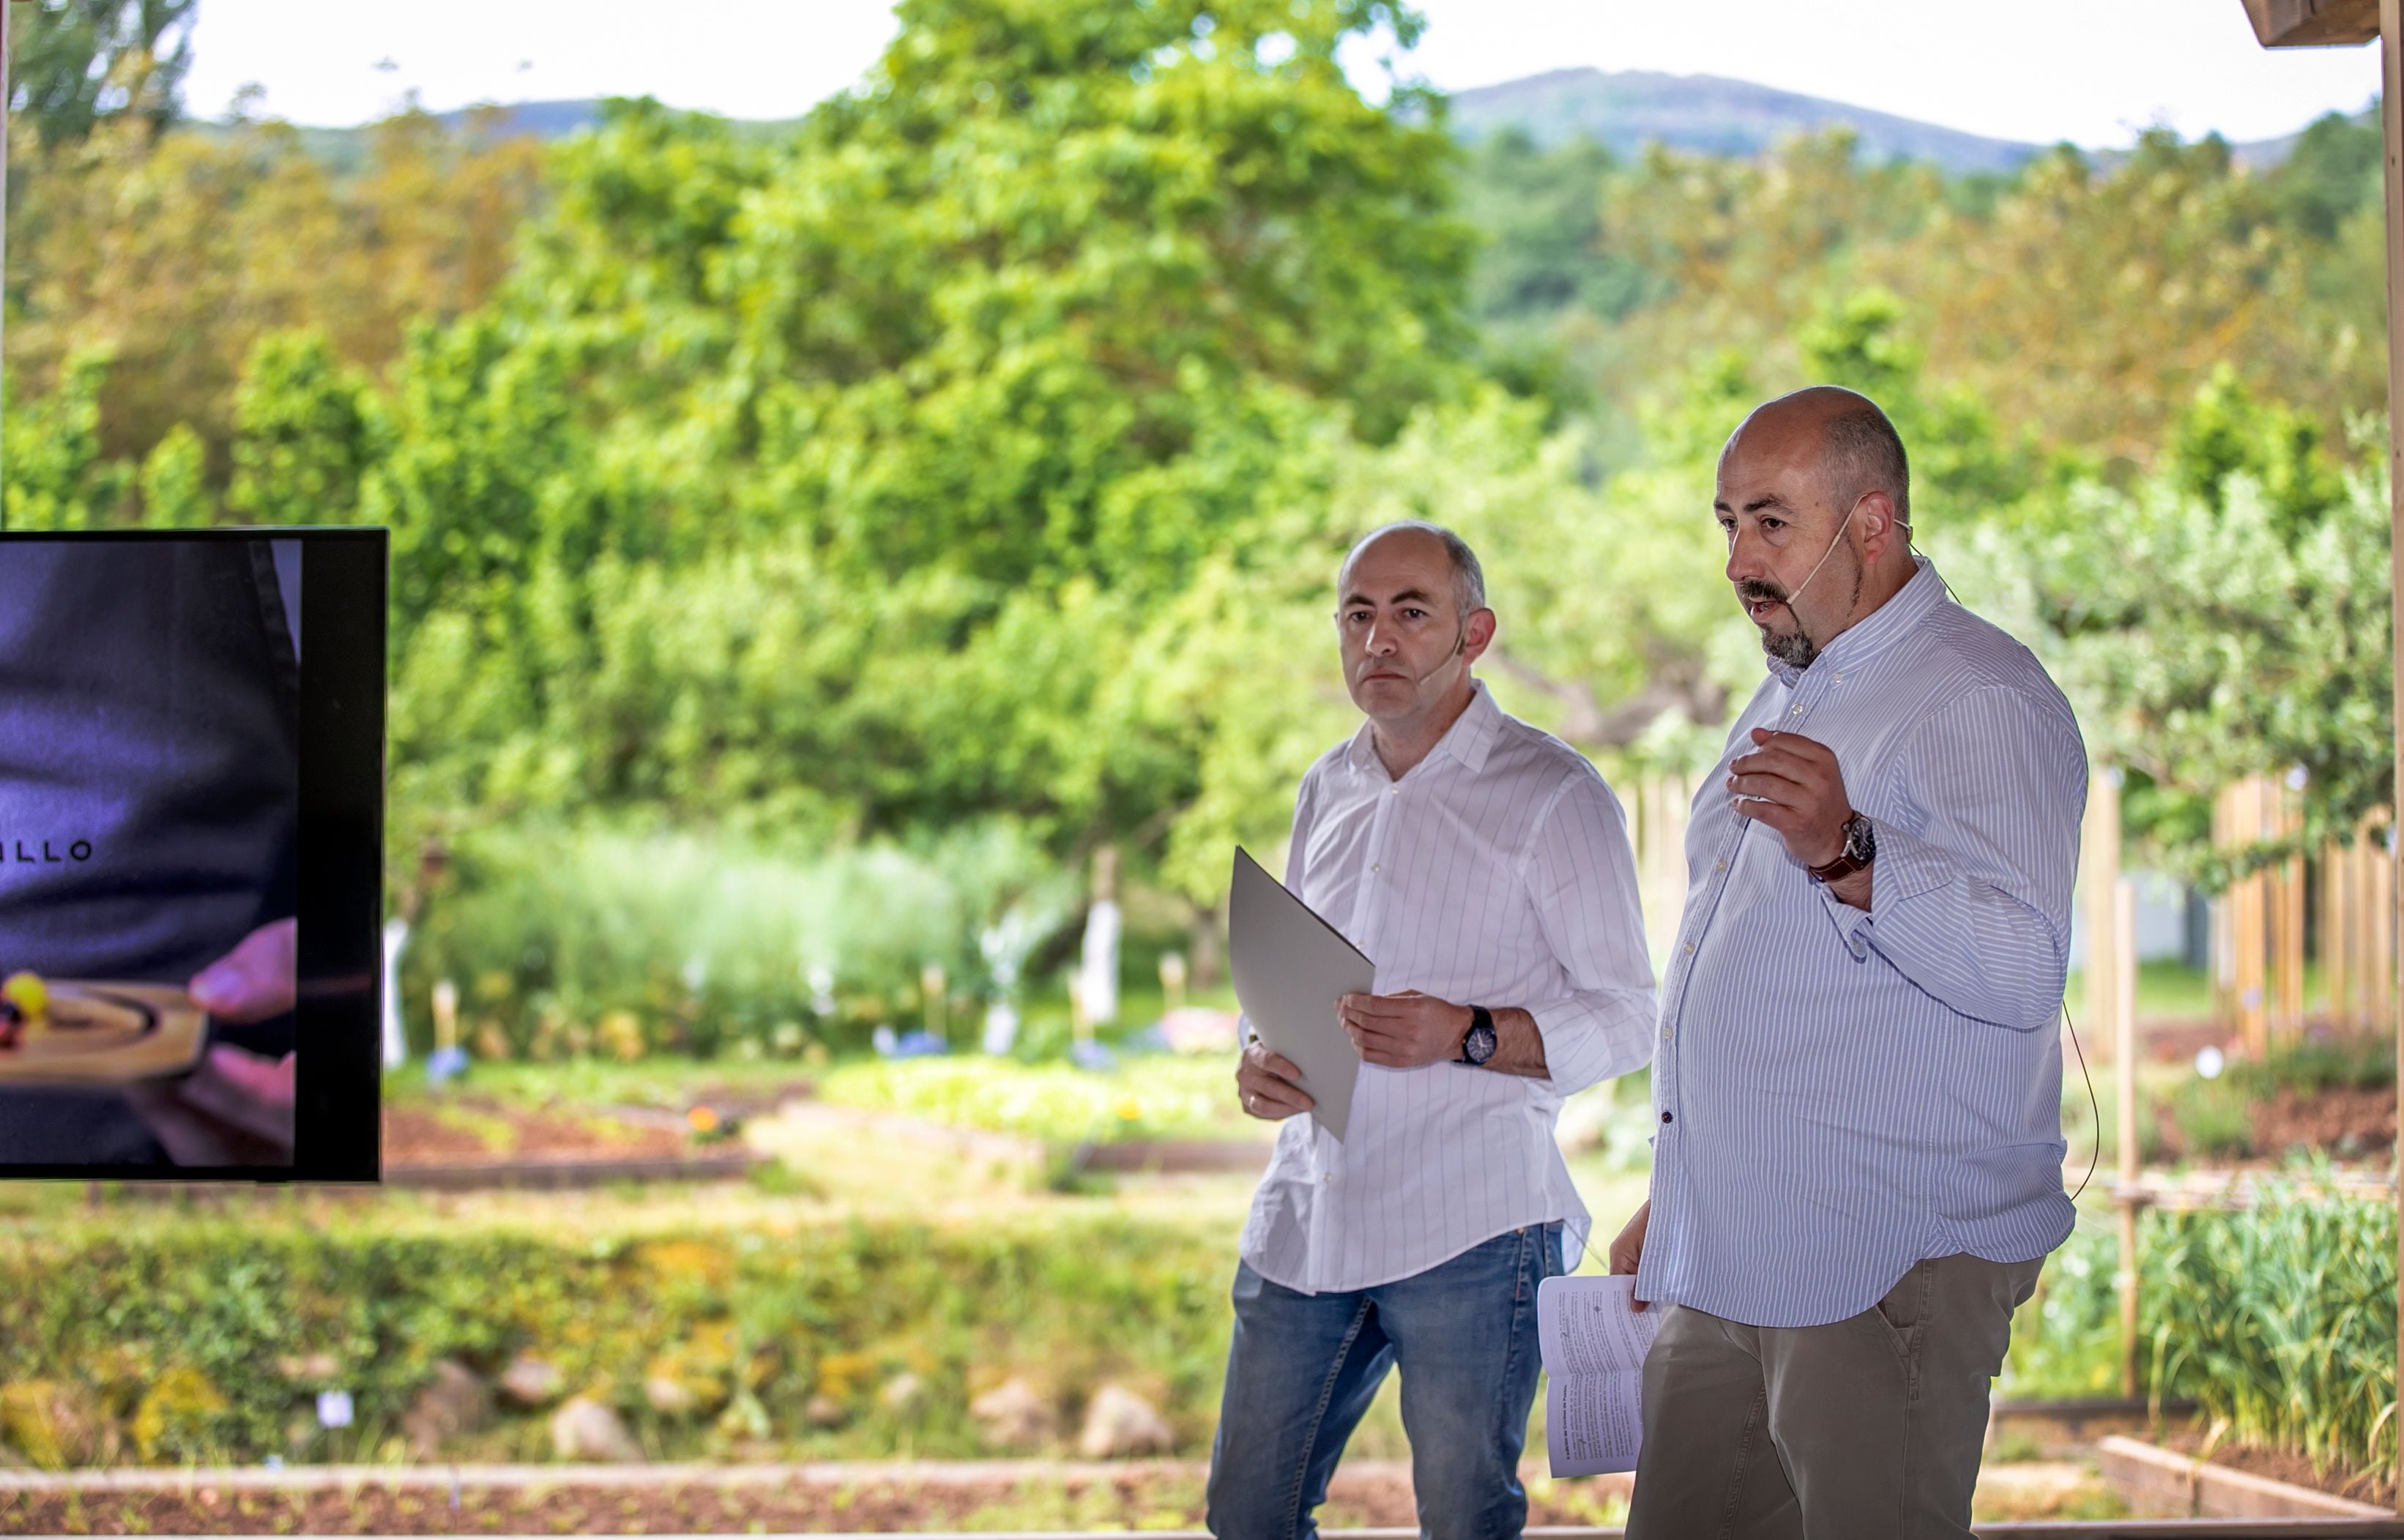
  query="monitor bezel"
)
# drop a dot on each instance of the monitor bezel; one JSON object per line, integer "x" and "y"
{"x": 339, "y": 1069}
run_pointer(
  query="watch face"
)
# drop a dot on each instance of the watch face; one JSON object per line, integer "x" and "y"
{"x": 1861, "y": 842}
{"x": 1479, "y": 1045}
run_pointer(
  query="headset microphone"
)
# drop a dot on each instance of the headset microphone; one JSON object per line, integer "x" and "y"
{"x": 1834, "y": 541}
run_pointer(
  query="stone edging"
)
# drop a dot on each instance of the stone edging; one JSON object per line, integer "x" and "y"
{"x": 2155, "y": 1480}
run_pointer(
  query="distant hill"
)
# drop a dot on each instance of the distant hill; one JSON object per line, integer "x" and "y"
{"x": 1628, "y": 109}
{"x": 1709, "y": 116}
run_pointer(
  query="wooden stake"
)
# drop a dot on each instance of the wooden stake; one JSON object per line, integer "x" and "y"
{"x": 2289, "y": 804}
{"x": 2248, "y": 901}
{"x": 2124, "y": 922}
{"x": 2391, "y": 117}
{"x": 2220, "y": 958}
{"x": 2100, "y": 852}
{"x": 2336, "y": 941}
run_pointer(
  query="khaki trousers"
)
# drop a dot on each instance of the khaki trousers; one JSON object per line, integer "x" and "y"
{"x": 1864, "y": 1429}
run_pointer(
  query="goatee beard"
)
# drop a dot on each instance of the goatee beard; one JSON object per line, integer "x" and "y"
{"x": 1793, "y": 649}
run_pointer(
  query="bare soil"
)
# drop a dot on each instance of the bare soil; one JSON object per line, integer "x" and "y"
{"x": 2289, "y": 1467}
{"x": 1139, "y": 1499}
{"x": 2343, "y": 1120}
{"x": 469, "y": 1131}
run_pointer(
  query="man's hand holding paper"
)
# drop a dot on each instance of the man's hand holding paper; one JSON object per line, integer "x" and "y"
{"x": 1269, "y": 1084}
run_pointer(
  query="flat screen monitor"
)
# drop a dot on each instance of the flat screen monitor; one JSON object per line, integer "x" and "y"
{"x": 191, "y": 812}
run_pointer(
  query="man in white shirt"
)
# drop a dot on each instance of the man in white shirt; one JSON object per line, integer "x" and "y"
{"x": 1484, "y": 868}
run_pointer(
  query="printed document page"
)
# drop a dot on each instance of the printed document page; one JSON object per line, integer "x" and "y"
{"x": 1593, "y": 1346}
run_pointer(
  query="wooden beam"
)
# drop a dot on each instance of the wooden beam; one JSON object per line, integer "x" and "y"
{"x": 2391, "y": 115}
{"x": 2100, "y": 853}
{"x": 2313, "y": 23}
{"x": 2125, "y": 1114}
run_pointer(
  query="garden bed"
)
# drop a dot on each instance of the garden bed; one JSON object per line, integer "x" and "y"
{"x": 902, "y": 1496}
{"x": 891, "y": 1497}
{"x": 480, "y": 1130}
{"x": 2287, "y": 1467}
{"x": 2160, "y": 1482}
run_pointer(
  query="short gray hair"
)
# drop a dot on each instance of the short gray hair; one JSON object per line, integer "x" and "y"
{"x": 1863, "y": 453}
{"x": 1468, "y": 577}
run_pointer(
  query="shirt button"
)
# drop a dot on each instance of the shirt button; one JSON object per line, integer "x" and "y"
{"x": 1667, "y": 1117}
{"x": 1669, "y": 1036}
{"x": 1796, "y": 712}
{"x": 1722, "y": 866}
{"x": 1375, "y": 867}
{"x": 1688, "y": 948}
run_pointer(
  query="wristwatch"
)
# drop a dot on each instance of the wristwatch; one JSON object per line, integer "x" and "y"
{"x": 1861, "y": 848}
{"x": 1477, "y": 1044}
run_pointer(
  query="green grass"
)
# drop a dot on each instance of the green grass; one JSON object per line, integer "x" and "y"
{"x": 2166, "y": 991}
{"x": 1151, "y": 1096}
{"x": 657, "y": 1080}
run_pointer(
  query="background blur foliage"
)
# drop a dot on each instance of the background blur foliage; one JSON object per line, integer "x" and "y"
{"x": 777, "y": 515}
{"x": 215, "y": 1335}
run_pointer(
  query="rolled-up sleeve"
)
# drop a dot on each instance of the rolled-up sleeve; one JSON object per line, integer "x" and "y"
{"x": 1974, "y": 904}
{"x": 1581, "y": 877}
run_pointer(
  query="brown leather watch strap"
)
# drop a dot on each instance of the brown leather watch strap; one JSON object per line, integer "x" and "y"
{"x": 1845, "y": 864}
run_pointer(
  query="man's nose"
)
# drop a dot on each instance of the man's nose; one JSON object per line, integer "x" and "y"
{"x": 1744, "y": 558}
{"x": 1380, "y": 640}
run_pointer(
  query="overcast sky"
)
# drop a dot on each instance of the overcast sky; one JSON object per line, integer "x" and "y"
{"x": 2091, "y": 71}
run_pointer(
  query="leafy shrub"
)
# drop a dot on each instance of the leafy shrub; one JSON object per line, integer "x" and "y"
{"x": 2350, "y": 1061}
{"x": 704, "y": 943}
{"x": 2214, "y": 1117}
{"x": 207, "y": 1340}
{"x": 2280, "y": 1318}
{"x": 1152, "y": 1096}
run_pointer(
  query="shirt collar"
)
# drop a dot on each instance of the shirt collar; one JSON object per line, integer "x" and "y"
{"x": 1469, "y": 739}
{"x": 1879, "y": 630}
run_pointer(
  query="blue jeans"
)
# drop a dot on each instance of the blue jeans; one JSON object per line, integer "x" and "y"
{"x": 1303, "y": 1368}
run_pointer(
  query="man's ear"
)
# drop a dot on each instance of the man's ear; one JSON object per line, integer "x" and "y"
{"x": 1478, "y": 635}
{"x": 1881, "y": 533}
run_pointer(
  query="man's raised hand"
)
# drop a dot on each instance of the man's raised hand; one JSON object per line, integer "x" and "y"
{"x": 1793, "y": 784}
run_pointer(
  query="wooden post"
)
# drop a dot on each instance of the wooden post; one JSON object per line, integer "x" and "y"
{"x": 2379, "y": 922}
{"x": 2336, "y": 944}
{"x": 2290, "y": 802}
{"x": 2391, "y": 115}
{"x": 2124, "y": 922}
{"x": 2221, "y": 958}
{"x": 2248, "y": 917}
{"x": 2290, "y": 960}
{"x": 2100, "y": 848}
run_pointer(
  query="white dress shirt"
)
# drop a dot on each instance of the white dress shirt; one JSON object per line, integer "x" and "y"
{"x": 1842, "y": 1093}
{"x": 1497, "y": 872}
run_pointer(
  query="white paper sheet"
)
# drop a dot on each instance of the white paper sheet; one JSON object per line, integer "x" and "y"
{"x": 1593, "y": 1346}
{"x": 1290, "y": 966}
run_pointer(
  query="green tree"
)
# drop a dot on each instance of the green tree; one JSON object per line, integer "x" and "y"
{"x": 73, "y": 61}
{"x": 306, "y": 431}
{"x": 867, "y": 461}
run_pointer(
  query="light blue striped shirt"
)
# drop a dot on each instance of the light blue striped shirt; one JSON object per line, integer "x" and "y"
{"x": 1839, "y": 1094}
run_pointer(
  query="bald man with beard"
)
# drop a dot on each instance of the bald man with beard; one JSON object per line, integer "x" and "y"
{"x": 1857, "y": 1153}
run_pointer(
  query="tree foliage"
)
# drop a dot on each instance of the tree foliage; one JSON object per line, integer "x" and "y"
{"x": 979, "y": 451}
{"x": 73, "y": 62}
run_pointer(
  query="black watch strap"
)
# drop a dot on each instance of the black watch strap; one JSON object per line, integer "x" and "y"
{"x": 1477, "y": 1043}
